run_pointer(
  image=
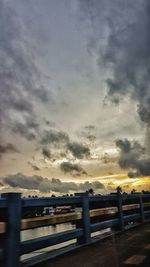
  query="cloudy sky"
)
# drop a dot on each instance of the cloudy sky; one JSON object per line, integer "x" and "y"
{"x": 74, "y": 94}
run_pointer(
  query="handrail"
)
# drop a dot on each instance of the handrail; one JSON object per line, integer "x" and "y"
{"x": 115, "y": 212}
{"x": 3, "y": 202}
{"x": 50, "y": 240}
{"x": 45, "y": 202}
{"x": 35, "y": 222}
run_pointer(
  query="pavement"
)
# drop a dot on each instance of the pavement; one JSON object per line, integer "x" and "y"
{"x": 128, "y": 249}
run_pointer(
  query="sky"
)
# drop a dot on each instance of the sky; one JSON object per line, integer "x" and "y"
{"x": 74, "y": 95}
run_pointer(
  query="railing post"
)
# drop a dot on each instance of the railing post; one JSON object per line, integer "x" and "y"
{"x": 85, "y": 218}
{"x": 120, "y": 211}
{"x": 12, "y": 236}
{"x": 141, "y": 209}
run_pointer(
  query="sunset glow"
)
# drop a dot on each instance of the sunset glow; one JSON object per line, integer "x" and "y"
{"x": 74, "y": 96}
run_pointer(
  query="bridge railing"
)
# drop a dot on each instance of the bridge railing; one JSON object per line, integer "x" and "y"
{"x": 95, "y": 213}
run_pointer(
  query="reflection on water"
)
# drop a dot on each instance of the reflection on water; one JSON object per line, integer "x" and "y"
{"x": 44, "y": 231}
{"x": 48, "y": 230}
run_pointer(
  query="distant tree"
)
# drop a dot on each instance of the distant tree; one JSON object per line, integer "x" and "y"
{"x": 133, "y": 191}
{"x": 91, "y": 191}
{"x": 119, "y": 189}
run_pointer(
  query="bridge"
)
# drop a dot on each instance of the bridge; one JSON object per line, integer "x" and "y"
{"x": 97, "y": 220}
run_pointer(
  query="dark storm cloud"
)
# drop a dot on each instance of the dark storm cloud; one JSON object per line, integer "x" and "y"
{"x": 78, "y": 150}
{"x": 129, "y": 52}
{"x": 46, "y": 153}
{"x": 9, "y": 148}
{"x": 126, "y": 51}
{"x": 121, "y": 41}
{"x": 134, "y": 157}
{"x": 19, "y": 76}
{"x": 68, "y": 167}
{"x": 130, "y": 55}
{"x": 61, "y": 140}
{"x": 19, "y": 180}
{"x": 54, "y": 137}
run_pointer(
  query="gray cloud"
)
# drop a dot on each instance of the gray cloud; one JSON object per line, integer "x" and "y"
{"x": 27, "y": 129}
{"x": 89, "y": 133}
{"x": 60, "y": 139}
{"x": 46, "y": 153}
{"x": 78, "y": 150}
{"x": 68, "y": 167}
{"x": 95, "y": 185}
{"x": 45, "y": 185}
{"x": 55, "y": 137}
{"x": 121, "y": 41}
{"x": 50, "y": 123}
{"x": 20, "y": 180}
{"x": 134, "y": 157}
{"x": 130, "y": 60}
{"x": 9, "y": 148}
{"x": 19, "y": 75}
{"x": 42, "y": 94}
{"x": 34, "y": 167}
{"x": 90, "y": 127}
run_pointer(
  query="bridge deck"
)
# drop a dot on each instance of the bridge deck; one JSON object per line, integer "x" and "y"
{"x": 130, "y": 248}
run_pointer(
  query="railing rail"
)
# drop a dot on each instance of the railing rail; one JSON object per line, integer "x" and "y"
{"x": 45, "y": 202}
{"x": 98, "y": 212}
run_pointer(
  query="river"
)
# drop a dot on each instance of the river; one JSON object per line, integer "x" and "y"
{"x": 47, "y": 230}
{"x": 44, "y": 231}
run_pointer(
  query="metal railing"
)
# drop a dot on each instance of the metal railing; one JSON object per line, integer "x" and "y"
{"x": 114, "y": 211}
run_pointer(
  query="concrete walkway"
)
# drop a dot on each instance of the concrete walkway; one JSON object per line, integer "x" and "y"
{"x": 131, "y": 248}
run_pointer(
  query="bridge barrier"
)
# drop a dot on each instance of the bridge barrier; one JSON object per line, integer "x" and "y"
{"x": 97, "y": 213}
